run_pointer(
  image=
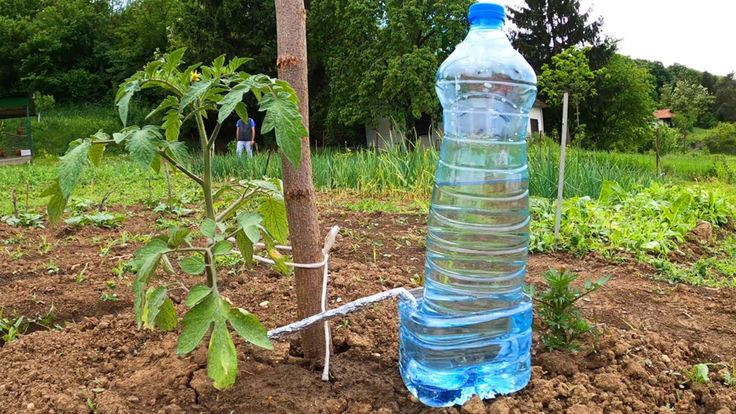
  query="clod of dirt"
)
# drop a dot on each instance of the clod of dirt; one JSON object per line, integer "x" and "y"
{"x": 609, "y": 382}
{"x": 359, "y": 408}
{"x": 558, "y": 363}
{"x": 474, "y": 406}
{"x": 334, "y": 406}
{"x": 499, "y": 407}
{"x": 584, "y": 409}
{"x": 703, "y": 232}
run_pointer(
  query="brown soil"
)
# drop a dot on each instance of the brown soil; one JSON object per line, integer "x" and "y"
{"x": 650, "y": 332}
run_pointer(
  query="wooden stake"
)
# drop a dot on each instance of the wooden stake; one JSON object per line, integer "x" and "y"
{"x": 563, "y": 156}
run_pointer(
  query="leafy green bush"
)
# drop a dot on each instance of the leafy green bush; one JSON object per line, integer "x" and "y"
{"x": 564, "y": 323}
{"x": 653, "y": 221}
{"x": 100, "y": 219}
{"x": 24, "y": 220}
{"x": 721, "y": 139}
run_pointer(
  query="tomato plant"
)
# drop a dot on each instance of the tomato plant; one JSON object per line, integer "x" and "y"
{"x": 195, "y": 93}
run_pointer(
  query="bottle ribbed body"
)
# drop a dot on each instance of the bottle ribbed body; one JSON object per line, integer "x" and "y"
{"x": 471, "y": 331}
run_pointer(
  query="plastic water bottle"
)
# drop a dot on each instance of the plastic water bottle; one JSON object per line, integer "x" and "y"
{"x": 470, "y": 333}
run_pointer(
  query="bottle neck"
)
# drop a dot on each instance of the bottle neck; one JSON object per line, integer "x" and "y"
{"x": 486, "y": 24}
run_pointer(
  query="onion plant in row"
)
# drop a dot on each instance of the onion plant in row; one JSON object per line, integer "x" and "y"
{"x": 198, "y": 93}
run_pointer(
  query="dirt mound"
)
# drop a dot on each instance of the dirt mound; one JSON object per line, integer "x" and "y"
{"x": 649, "y": 333}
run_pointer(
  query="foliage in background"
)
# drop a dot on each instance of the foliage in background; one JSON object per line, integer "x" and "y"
{"x": 653, "y": 221}
{"x": 545, "y": 28}
{"x": 620, "y": 116}
{"x": 563, "y": 322}
{"x": 569, "y": 72}
{"x": 198, "y": 92}
{"x": 382, "y": 59}
{"x": 689, "y": 101}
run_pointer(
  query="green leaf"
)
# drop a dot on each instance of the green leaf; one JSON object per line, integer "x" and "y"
{"x": 241, "y": 110}
{"x": 194, "y": 92}
{"x": 57, "y": 202}
{"x": 166, "y": 319}
{"x": 222, "y": 361}
{"x": 193, "y": 265}
{"x": 245, "y": 246}
{"x": 125, "y": 93}
{"x": 196, "y": 294}
{"x": 177, "y": 235}
{"x": 249, "y": 223}
{"x": 208, "y": 227}
{"x": 274, "y": 219}
{"x": 282, "y": 115}
{"x": 222, "y": 247}
{"x": 168, "y": 102}
{"x": 231, "y": 100}
{"x": 172, "y": 125}
{"x": 173, "y": 60}
{"x": 95, "y": 154}
{"x": 155, "y": 297}
{"x": 145, "y": 262}
{"x": 196, "y": 323}
{"x": 143, "y": 145}
{"x": 237, "y": 62}
{"x": 278, "y": 258}
{"x": 249, "y": 327}
{"x": 71, "y": 166}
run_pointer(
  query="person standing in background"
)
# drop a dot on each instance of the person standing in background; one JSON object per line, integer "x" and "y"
{"x": 246, "y": 136}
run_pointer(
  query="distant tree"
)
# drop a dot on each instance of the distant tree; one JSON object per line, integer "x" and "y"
{"x": 620, "y": 115}
{"x": 544, "y": 28}
{"x": 661, "y": 75}
{"x": 139, "y": 30}
{"x": 56, "y": 47}
{"x": 680, "y": 72}
{"x": 209, "y": 28}
{"x": 569, "y": 72}
{"x": 725, "y": 103}
{"x": 381, "y": 60}
{"x": 690, "y": 101}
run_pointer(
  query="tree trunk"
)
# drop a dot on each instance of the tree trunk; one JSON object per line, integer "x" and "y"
{"x": 301, "y": 208}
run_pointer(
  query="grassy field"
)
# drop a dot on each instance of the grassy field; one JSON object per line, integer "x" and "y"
{"x": 397, "y": 170}
{"x": 406, "y": 175}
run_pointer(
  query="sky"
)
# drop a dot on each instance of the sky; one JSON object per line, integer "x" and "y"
{"x": 698, "y": 34}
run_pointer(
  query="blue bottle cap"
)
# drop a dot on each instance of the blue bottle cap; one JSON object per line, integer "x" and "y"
{"x": 488, "y": 12}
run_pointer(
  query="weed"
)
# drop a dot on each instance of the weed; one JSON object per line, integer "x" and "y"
{"x": 563, "y": 321}
{"x": 44, "y": 247}
{"x": 24, "y": 220}
{"x": 10, "y": 328}
{"x": 109, "y": 297}
{"x": 102, "y": 219}
{"x": 697, "y": 374}
{"x": 52, "y": 268}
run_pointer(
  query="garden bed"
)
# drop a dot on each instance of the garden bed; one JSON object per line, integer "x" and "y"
{"x": 650, "y": 332}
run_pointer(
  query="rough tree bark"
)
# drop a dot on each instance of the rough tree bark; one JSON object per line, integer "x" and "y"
{"x": 301, "y": 208}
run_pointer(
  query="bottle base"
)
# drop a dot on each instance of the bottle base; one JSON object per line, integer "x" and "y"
{"x": 444, "y": 361}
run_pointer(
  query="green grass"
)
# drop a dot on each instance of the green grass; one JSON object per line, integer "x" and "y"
{"x": 129, "y": 183}
{"x": 397, "y": 170}
{"x": 65, "y": 123}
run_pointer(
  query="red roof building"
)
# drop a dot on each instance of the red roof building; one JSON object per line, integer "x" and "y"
{"x": 664, "y": 116}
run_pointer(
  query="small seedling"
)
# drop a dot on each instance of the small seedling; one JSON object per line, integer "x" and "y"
{"x": 111, "y": 284}
{"x": 109, "y": 297}
{"x": 10, "y": 328}
{"x": 563, "y": 321}
{"x": 82, "y": 275}
{"x": 698, "y": 374}
{"x": 52, "y": 268}
{"x": 44, "y": 247}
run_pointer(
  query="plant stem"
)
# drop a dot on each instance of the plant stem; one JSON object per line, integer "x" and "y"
{"x": 181, "y": 168}
{"x": 210, "y": 268}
